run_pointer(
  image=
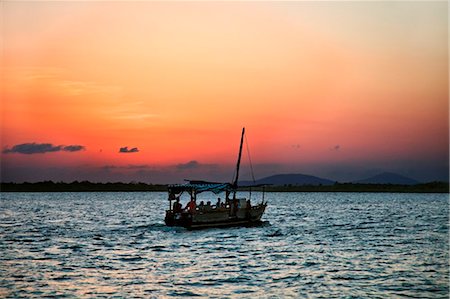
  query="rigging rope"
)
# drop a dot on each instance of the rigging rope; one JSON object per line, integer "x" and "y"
{"x": 249, "y": 159}
{"x": 234, "y": 175}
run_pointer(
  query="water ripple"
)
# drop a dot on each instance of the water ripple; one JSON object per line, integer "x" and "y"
{"x": 320, "y": 245}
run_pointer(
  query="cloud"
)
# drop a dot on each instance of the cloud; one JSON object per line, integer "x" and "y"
{"x": 126, "y": 150}
{"x": 41, "y": 148}
{"x": 128, "y": 167}
{"x": 73, "y": 148}
{"x": 189, "y": 165}
{"x": 337, "y": 147}
{"x": 139, "y": 166}
{"x": 109, "y": 167}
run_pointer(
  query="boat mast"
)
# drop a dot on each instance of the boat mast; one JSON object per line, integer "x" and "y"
{"x": 238, "y": 164}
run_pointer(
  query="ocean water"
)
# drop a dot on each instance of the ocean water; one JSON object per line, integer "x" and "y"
{"x": 311, "y": 245}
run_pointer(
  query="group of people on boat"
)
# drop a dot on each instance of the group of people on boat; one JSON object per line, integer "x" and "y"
{"x": 208, "y": 206}
{"x": 191, "y": 206}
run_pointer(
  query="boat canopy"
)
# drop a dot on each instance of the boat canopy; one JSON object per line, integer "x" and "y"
{"x": 201, "y": 186}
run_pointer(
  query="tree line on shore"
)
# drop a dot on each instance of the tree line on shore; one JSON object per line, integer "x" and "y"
{"x": 86, "y": 186}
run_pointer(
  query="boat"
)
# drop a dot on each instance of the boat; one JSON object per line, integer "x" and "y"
{"x": 231, "y": 211}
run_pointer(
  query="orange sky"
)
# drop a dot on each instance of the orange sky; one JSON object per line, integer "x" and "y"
{"x": 315, "y": 84}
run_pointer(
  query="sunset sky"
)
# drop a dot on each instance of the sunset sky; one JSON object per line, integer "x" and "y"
{"x": 159, "y": 91}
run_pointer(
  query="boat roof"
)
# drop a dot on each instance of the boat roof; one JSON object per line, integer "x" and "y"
{"x": 201, "y": 186}
{"x": 204, "y": 186}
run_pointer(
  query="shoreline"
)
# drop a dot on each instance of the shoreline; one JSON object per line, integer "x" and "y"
{"x": 49, "y": 186}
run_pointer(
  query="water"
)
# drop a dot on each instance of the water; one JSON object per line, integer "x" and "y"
{"x": 312, "y": 245}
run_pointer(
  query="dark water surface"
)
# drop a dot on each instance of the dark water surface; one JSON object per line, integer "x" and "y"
{"x": 315, "y": 245}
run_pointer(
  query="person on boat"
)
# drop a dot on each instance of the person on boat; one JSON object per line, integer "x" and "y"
{"x": 235, "y": 206}
{"x": 177, "y": 206}
{"x": 218, "y": 203}
{"x": 208, "y": 206}
{"x": 201, "y": 205}
{"x": 191, "y": 206}
{"x": 248, "y": 209}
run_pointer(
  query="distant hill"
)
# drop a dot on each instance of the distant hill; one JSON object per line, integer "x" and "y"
{"x": 388, "y": 178}
{"x": 290, "y": 179}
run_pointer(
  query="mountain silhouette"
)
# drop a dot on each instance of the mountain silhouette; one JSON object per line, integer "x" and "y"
{"x": 388, "y": 178}
{"x": 289, "y": 179}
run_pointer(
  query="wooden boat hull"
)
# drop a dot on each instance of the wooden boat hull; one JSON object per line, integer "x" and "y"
{"x": 216, "y": 218}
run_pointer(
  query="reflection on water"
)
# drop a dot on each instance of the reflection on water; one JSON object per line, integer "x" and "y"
{"x": 311, "y": 245}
